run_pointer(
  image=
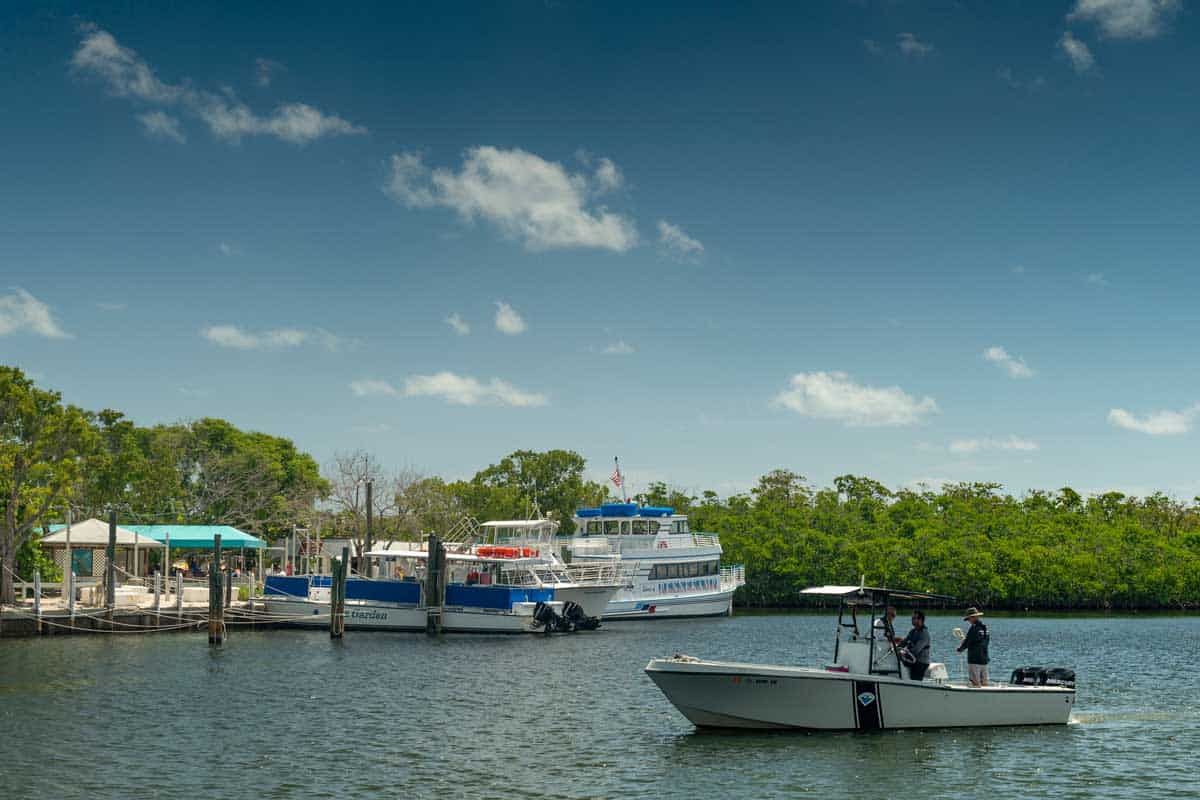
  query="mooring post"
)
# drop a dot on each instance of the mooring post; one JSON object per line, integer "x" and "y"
{"x": 433, "y": 586}
{"x": 157, "y": 592}
{"x": 228, "y": 587}
{"x": 37, "y": 598}
{"x": 337, "y": 596}
{"x": 179, "y": 597}
{"x": 71, "y": 596}
{"x": 216, "y": 608}
{"x": 110, "y": 567}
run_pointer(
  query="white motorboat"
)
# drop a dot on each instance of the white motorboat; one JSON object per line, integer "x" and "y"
{"x": 672, "y": 571}
{"x": 590, "y": 586}
{"x": 866, "y": 687}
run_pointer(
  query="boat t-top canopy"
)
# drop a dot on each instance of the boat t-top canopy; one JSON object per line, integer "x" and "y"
{"x": 872, "y": 595}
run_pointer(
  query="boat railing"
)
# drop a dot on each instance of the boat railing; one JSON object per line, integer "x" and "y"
{"x": 462, "y": 532}
{"x": 733, "y": 576}
{"x": 598, "y": 573}
{"x": 706, "y": 540}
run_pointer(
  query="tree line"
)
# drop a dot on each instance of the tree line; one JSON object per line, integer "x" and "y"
{"x": 1042, "y": 550}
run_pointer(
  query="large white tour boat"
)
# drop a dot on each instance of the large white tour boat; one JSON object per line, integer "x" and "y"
{"x": 866, "y": 687}
{"x": 671, "y": 570}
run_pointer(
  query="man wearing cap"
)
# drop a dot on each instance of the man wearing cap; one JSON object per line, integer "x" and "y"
{"x": 976, "y": 645}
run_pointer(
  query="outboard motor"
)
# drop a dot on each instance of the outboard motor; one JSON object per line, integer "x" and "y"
{"x": 544, "y": 615}
{"x": 1043, "y": 676}
{"x": 577, "y": 620}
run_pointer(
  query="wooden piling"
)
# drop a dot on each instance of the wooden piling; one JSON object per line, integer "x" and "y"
{"x": 337, "y": 595}
{"x": 216, "y": 606}
{"x": 434, "y": 586}
{"x": 228, "y": 585}
{"x": 110, "y": 567}
{"x": 179, "y": 597}
{"x": 37, "y": 599}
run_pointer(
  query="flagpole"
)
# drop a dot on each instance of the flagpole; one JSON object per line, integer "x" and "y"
{"x": 617, "y": 464}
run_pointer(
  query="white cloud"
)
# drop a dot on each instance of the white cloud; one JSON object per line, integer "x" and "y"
{"x": 264, "y": 71}
{"x": 1010, "y": 444}
{"x": 460, "y": 325}
{"x": 534, "y": 201}
{"x": 372, "y": 387}
{"x": 227, "y": 249}
{"x": 608, "y": 176}
{"x": 1096, "y": 279}
{"x": 234, "y": 337}
{"x": 619, "y": 348}
{"x": 127, "y": 75}
{"x": 834, "y": 396}
{"x": 1082, "y": 60}
{"x": 161, "y": 125}
{"x": 1006, "y": 75}
{"x": 1156, "y": 423}
{"x": 1126, "y": 19}
{"x": 910, "y": 45}
{"x": 1014, "y": 366}
{"x": 672, "y": 241}
{"x": 463, "y": 390}
{"x": 21, "y": 312}
{"x": 508, "y": 320}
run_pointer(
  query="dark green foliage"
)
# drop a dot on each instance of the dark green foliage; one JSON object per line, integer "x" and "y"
{"x": 1042, "y": 551}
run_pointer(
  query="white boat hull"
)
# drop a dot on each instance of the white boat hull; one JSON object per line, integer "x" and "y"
{"x": 382, "y": 617}
{"x": 732, "y": 695}
{"x": 709, "y": 604}
{"x": 594, "y": 600}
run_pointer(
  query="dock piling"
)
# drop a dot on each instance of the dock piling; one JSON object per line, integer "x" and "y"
{"x": 157, "y": 592}
{"x": 434, "y": 586}
{"x": 216, "y": 606}
{"x": 110, "y": 567}
{"x": 37, "y": 598}
{"x": 70, "y": 576}
{"x": 179, "y": 597}
{"x": 337, "y": 595}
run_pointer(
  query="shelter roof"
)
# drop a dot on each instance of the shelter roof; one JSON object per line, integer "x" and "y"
{"x": 94, "y": 533}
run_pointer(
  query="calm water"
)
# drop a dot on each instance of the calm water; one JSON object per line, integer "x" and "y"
{"x": 290, "y": 714}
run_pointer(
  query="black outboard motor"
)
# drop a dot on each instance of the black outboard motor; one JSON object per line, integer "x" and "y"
{"x": 576, "y": 619}
{"x": 1044, "y": 676}
{"x": 544, "y": 615}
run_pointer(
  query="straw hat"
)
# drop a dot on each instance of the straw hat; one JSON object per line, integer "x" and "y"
{"x": 972, "y": 612}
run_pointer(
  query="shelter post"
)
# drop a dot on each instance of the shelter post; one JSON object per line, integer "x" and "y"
{"x": 68, "y": 566}
{"x": 166, "y": 570}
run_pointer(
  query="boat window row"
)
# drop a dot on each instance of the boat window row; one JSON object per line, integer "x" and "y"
{"x": 688, "y": 569}
{"x": 634, "y": 527}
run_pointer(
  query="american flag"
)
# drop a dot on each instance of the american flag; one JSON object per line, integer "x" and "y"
{"x": 616, "y": 477}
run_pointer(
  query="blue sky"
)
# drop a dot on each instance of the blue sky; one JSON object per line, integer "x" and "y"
{"x": 916, "y": 241}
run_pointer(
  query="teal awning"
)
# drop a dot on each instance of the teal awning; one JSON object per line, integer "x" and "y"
{"x": 186, "y": 537}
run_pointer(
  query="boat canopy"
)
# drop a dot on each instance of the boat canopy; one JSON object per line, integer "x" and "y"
{"x": 872, "y": 595}
{"x": 623, "y": 510}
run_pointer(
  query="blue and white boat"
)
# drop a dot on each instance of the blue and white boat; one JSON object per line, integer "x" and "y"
{"x": 672, "y": 571}
{"x": 489, "y": 589}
